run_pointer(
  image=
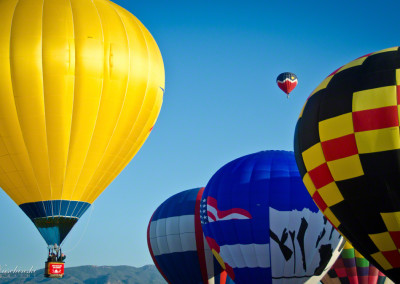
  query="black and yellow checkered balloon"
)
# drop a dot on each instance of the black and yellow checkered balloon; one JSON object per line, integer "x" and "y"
{"x": 347, "y": 148}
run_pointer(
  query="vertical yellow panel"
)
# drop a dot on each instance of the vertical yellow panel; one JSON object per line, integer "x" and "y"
{"x": 109, "y": 176}
{"x": 381, "y": 259}
{"x": 383, "y": 241}
{"x": 346, "y": 168}
{"x": 309, "y": 184}
{"x": 12, "y": 189}
{"x": 134, "y": 143}
{"x": 81, "y": 85}
{"x": 336, "y": 127}
{"x": 392, "y": 221}
{"x": 6, "y": 13}
{"x": 134, "y": 148}
{"x": 116, "y": 66}
{"x": 138, "y": 59}
{"x": 331, "y": 217}
{"x": 378, "y": 140}
{"x": 313, "y": 157}
{"x": 398, "y": 78}
{"x": 58, "y": 82}
{"x": 89, "y": 75}
{"x": 26, "y": 66}
{"x": 374, "y": 98}
{"x": 331, "y": 194}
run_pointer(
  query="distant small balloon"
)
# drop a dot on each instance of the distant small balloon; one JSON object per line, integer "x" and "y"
{"x": 287, "y": 81}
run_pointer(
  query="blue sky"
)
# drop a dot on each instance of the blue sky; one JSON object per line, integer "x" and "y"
{"x": 221, "y": 60}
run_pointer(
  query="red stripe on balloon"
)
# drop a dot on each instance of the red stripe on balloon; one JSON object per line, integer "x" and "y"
{"x": 212, "y": 244}
{"x": 377, "y": 118}
{"x": 287, "y": 86}
{"x": 393, "y": 257}
{"x": 200, "y": 238}
{"x": 211, "y": 201}
{"x": 230, "y": 272}
{"x": 373, "y": 274}
{"x": 396, "y": 238}
{"x": 319, "y": 201}
{"x": 211, "y": 215}
{"x": 321, "y": 176}
{"x": 223, "y": 277}
{"x": 339, "y": 148}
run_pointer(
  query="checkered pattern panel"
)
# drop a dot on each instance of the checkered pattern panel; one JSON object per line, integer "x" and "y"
{"x": 352, "y": 267}
{"x": 347, "y": 146}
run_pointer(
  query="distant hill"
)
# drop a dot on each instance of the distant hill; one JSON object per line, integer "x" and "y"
{"x": 90, "y": 274}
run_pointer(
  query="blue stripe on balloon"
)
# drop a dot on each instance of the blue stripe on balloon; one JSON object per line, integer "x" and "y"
{"x": 50, "y": 208}
{"x": 181, "y": 267}
{"x": 254, "y": 275}
{"x": 55, "y": 231}
{"x": 177, "y": 205}
{"x": 260, "y": 275}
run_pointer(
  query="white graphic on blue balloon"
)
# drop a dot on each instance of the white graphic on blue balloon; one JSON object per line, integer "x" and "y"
{"x": 297, "y": 241}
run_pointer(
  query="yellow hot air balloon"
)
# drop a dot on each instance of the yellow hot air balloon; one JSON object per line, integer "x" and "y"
{"x": 81, "y": 86}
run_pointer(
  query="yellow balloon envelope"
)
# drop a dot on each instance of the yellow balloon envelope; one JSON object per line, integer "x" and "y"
{"x": 81, "y": 86}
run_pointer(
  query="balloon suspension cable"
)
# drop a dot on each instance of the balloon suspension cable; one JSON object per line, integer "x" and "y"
{"x": 84, "y": 231}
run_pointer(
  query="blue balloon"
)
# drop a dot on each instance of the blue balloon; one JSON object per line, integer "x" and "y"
{"x": 262, "y": 225}
{"x": 176, "y": 242}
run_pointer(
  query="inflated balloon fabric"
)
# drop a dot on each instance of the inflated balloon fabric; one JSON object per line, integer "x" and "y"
{"x": 177, "y": 245}
{"x": 81, "y": 86}
{"x": 287, "y": 81}
{"x": 263, "y": 226}
{"x": 352, "y": 268}
{"x": 347, "y": 147}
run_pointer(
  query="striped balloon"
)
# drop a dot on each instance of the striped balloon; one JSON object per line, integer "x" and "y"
{"x": 352, "y": 268}
{"x": 177, "y": 245}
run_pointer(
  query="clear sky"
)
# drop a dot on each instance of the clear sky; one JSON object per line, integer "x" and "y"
{"x": 221, "y": 102}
